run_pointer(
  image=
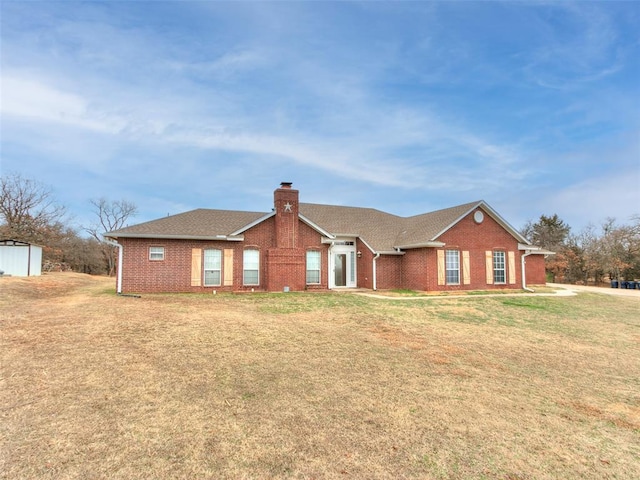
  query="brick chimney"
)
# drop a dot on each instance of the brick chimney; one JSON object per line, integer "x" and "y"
{"x": 285, "y": 202}
{"x": 286, "y": 259}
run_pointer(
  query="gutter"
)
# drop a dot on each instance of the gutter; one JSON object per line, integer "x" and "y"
{"x": 524, "y": 280}
{"x": 119, "y": 276}
{"x": 375, "y": 275}
{"x": 430, "y": 244}
{"x": 229, "y": 238}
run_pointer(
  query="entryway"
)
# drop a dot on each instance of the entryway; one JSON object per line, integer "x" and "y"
{"x": 342, "y": 265}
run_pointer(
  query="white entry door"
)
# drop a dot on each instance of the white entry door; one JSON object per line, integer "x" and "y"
{"x": 342, "y": 266}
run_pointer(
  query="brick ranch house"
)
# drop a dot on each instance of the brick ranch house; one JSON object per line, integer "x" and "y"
{"x": 303, "y": 246}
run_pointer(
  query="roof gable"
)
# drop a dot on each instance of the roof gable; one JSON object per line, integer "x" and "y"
{"x": 431, "y": 226}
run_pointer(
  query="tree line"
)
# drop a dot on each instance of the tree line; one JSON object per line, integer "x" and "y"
{"x": 30, "y": 213}
{"x": 596, "y": 254}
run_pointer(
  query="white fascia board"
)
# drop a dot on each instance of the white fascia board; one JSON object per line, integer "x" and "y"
{"x": 457, "y": 220}
{"x": 504, "y": 223}
{"x": 345, "y": 236}
{"x": 422, "y": 245}
{"x": 367, "y": 245}
{"x": 252, "y": 224}
{"x": 315, "y": 226}
{"x": 348, "y": 238}
{"x": 223, "y": 238}
{"x": 531, "y": 249}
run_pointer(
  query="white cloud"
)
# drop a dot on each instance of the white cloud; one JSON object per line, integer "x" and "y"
{"x": 25, "y": 97}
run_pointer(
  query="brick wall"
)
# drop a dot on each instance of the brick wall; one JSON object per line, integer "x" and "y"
{"x": 389, "y": 272}
{"x": 283, "y": 259}
{"x": 535, "y": 270}
{"x": 278, "y": 268}
{"x": 364, "y": 265}
{"x": 419, "y": 267}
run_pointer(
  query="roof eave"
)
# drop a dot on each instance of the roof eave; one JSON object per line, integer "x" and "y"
{"x": 253, "y": 224}
{"x": 315, "y": 226}
{"x": 532, "y": 249}
{"x": 227, "y": 238}
{"x": 431, "y": 244}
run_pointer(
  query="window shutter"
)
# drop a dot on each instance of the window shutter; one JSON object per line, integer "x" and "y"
{"x": 488, "y": 256}
{"x": 196, "y": 267}
{"x": 228, "y": 267}
{"x": 466, "y": 268}
{"x": 512, "y": 267}
{"x": 440, "y": 267}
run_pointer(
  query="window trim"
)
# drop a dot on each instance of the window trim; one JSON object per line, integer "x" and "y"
{"x": 205, "y": 269}
{"x": 245, "y": 269}
{"x": 503, "y": 270}
{"x": 447, "y": 265}
{"x": 319, "y": 269}
{"x": 159, "y": 252}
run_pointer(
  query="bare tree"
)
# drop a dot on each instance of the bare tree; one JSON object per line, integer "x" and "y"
{"x": 27, "y": 209}
{"x": 112, "y": 215}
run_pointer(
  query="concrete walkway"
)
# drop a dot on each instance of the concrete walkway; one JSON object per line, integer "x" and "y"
{"x": 620, "y": 292}
{"x": 562, "y": 290}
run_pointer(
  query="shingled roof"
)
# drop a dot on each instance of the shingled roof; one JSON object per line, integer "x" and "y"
{"x": 381, "y": 231}
{"x": 200, "y": 224}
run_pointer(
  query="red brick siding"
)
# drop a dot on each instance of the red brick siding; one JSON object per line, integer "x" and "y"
{"x": 278, "y": 269}
{"x": 286, "y": 266}
{"x": 416, "y": 268}
{"x": 419, "y": 267}
{"x": 476, "y": 239}
{"x": 364, "y": 265}
{"x": 535, "y": 271}
{"x": 389, "y": 272}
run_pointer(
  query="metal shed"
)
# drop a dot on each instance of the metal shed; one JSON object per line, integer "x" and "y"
{"x": 20, "y": 259}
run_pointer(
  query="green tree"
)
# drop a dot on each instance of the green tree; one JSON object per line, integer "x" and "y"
{"x": 551, "y": 233}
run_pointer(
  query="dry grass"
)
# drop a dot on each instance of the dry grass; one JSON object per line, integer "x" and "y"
{"x": 314, "y": 385}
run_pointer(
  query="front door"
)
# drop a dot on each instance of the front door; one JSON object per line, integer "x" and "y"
{"x": 340, "y": 270}
{"x": 342, "y": 265}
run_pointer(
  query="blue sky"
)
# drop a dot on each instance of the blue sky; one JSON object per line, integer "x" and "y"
{"x": 407, "y": 107}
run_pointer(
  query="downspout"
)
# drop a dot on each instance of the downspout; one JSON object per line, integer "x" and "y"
{"x": 524, "y": 280}
{"x": 119, "y": 277}
{"x": 375, "y": 275}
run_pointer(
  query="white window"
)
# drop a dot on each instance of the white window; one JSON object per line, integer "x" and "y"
{"x": 452, "y": 266}
{"x": 313, "y": 267}
{"x": 212, "y": 267}
{"x": 499, "y": 269}
{"x": 251, "y": 267}
{"x": 156, "y": 253}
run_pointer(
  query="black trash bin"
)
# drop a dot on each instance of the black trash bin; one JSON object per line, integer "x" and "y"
{"x": 631, "y": 285}
{"x": 623, "y": 284}
{"x": 614, "y": 283}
